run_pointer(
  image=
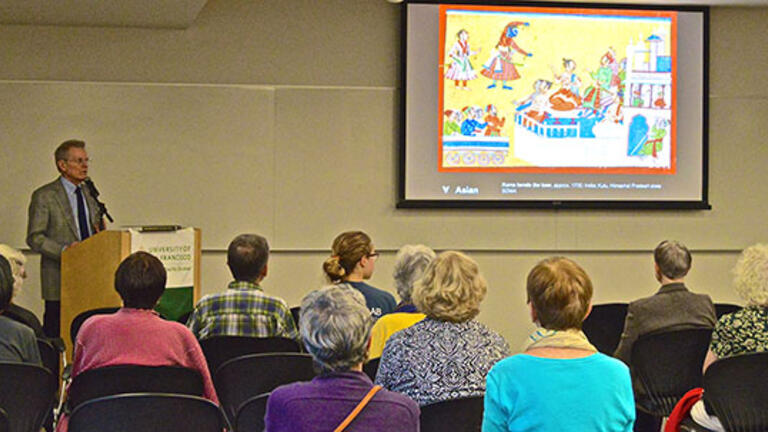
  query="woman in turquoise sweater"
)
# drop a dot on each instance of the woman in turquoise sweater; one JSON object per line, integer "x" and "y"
{"x": 560, "y": 382}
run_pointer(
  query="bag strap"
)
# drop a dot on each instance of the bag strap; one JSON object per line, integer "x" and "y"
{"x": 357, "y": 409}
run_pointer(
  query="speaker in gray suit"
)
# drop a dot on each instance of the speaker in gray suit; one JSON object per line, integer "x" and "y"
{"x": 61, "y": 214}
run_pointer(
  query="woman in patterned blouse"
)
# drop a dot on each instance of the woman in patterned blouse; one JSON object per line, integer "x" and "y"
{"x": 744, "y": 331}
{"x": 448, "y": 354}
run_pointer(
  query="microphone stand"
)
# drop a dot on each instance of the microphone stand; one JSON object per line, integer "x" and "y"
{"x": 95, "y": 193}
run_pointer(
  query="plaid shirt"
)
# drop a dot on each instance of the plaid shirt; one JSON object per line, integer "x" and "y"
{"x": 243, "y": 310}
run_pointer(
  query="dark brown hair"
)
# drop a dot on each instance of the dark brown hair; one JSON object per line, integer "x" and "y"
{"x": 140, "y": 280}
{"x": 6, "y": 283}
{"x": 246, "y": 256}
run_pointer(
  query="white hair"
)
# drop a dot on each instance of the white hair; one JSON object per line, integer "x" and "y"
{"x": 410, "y": 262}
{"x": 336, "y": 327}
{"x": 751, "y": 275}
{"x": 17, "y": 260}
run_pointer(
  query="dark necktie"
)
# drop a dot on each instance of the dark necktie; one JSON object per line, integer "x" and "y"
{"x": 82, "y": 222}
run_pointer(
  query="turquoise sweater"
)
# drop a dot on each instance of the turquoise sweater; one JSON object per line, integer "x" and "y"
{"x": 527, "y": 393}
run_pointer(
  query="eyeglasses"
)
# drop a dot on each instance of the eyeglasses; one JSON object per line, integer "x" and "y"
{"x": 373, "y": 255}
{"x": 80, "y": 161}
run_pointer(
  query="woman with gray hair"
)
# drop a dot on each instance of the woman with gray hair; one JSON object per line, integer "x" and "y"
{"x": 17, "y": 260}
{"x": 335, "y": 326}
{"x": 448, "y": 354}
{"x": 410, "y": 262}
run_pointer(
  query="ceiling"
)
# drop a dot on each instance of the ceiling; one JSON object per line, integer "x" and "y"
{"x": 180, "y": 14}
{"x": 171, "y": 14}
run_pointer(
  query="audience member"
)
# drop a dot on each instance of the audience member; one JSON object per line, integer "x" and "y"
{"x": 14, "y": 311}
{"x": 244, "y": 309}
{"x": 744, "y": 331}
{"x": 448, "y": 354}
{"x": 673, "y": 307}
{"x": 17, "y": 341}
{"x": 410, "y": 262}
{"x": 335, "y": 326}
{"x": 560, "y": 382}
{"x": 135, "y": 334}
{"x": 352, "y": 260}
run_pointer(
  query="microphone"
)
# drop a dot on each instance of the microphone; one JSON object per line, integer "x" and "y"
{"x": 95, "y": 193}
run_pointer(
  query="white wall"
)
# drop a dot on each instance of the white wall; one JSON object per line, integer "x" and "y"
{"x": 287, "y": 126}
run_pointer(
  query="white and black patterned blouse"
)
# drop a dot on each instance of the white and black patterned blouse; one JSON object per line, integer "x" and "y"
{"x": 433, "y": 361}
{"x": 742, "y": 332}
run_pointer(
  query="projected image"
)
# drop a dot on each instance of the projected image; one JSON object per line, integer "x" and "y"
{"x": 577, "y": 91}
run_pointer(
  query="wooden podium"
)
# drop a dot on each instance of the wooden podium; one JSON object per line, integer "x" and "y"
{"x": 88, "y": 275}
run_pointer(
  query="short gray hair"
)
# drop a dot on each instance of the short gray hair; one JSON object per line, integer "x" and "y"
{"x": 410, "y": 262}
{"x": 673, "y": 259}
{"x": 336, "y": 326}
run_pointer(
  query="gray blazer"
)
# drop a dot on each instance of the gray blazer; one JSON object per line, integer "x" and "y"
{"x": 673, "y": 307}
{"x": 50, "y": 227}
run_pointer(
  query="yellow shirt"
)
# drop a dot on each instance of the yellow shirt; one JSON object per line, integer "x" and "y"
{"x": 386, "y": 326}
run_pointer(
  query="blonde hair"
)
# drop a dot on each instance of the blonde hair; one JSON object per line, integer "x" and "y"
{"x": 14, "y": 257}
{"x": 751, "y": 275}
{"x": 451, "y": 288}
{"x": 560, "y": 292}
{"x": 346, "y": 251}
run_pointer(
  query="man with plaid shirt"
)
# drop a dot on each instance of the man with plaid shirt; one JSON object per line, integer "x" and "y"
{"x": 244, "y": 309}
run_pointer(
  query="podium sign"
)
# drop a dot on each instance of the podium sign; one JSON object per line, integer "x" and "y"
{"x": 176, "y": 250}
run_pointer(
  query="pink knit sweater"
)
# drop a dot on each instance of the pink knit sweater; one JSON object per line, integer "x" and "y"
{"x": 137, "y": 337}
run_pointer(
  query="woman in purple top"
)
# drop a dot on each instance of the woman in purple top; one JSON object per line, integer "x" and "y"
{"x": 336, "y": 325}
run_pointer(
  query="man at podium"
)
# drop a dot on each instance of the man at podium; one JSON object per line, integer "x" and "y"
{"x": 61, "y": 214}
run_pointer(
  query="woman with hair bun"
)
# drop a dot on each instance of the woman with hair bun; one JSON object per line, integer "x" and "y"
{"x": 352, "y": 261}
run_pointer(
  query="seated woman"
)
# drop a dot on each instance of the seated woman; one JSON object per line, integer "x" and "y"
{"x": 335, "y": 325}
{"x": 14, "y": 311}
{"x": 410, "y": 262}
{"x": 560, "y": 382}
{"x": 352, "y": 260}
{"x": 447, "y": 355}
{"x": 17, "y": 341}
{"x": 135, "y": 334}
{"x": 743, "y": 331}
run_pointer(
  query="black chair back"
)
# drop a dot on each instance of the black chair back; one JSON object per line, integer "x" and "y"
{"x": 371, "y": 368}
{"x": 296, "y": 313}
{"x": 219, "y": 349}
{"x": 4, "y": 426}
{"x": 668, "y": 364}
{"x": 604, "y": 325}
{"x": 250, "y": 415}
{"x": 736, "y": 391}
{"x": 50, "y": 356}
{"x": 457, "y": 415}
{"x": 244, "y": 377}
{"x": 725, "y": 308}
{"x": 27, "y": 395}
{"x": 147, "y": 412}
{"x": 82, "y": 316}
{"x": 112, "y": 380}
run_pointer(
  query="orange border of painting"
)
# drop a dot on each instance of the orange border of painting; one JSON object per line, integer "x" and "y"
{"x": 565, "y": 170}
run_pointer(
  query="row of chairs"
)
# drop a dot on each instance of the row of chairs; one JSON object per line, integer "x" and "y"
{"x": 146, "y": 398}
{"x": 605, "y": 323}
